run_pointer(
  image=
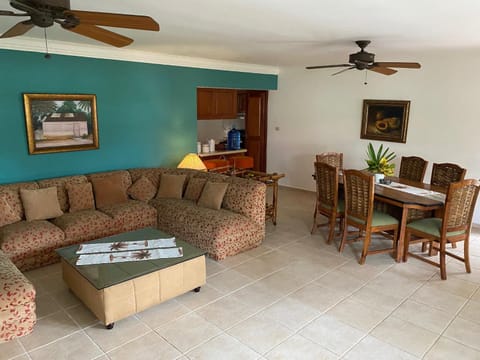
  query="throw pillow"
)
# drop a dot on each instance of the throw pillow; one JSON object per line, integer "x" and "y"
{"x": 171, "y": 186}
{"x": 80, "y": 196}
{"x": 142, "y": 189}
{"x": 7, "y": 215}
{"x": 212, "y": 195}
{"x": 109, "y": 191}
{"x": 194, "y": 188}
{"x": 40, "y": 204}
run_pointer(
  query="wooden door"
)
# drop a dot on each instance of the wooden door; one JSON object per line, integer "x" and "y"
{"x": 256, "y": 128}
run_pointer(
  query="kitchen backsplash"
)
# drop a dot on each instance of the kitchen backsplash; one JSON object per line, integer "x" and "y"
{"x": 217, "y": 129}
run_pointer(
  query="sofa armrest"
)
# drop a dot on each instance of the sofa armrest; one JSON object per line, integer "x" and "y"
{"x": 17, "y": 301}
{"x": 246, "y": 197}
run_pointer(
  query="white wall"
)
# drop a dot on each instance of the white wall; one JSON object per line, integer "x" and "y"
{"x": 313, "y": 112}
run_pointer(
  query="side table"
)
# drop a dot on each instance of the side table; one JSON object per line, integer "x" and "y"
{"x": 271, "y": 180}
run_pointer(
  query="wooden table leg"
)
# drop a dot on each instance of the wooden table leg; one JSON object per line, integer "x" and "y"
{"x": 401, "y": 234}
{"x": 274, "y": 200}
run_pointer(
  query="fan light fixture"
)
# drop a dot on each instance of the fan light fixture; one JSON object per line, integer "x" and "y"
{"x": 46, "y": 13}
{"x": 192, "y": 161}
{"x": 363, "y": 60}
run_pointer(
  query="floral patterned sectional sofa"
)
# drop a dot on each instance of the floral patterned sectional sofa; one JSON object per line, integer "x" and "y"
{"x": 237, "y": 226}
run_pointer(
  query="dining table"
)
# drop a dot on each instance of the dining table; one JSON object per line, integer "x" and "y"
{"x": 408, "y": 195}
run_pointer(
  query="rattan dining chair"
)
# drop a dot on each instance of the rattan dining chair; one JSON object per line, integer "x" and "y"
{"x": 452, "y": 228}
{"x": 359, "y": 213}
{"x": 412, "y": 168}
{"x": 331, "y": 158}
{"x": 445, "y": 173}
{"x": 327, "y": 203}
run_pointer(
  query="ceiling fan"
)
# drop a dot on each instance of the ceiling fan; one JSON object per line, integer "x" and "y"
{"x": 44, "y": 13}
{"x": 363, "y": 60}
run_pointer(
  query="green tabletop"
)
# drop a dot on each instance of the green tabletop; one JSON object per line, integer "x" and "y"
{"x": 105, "y": 275}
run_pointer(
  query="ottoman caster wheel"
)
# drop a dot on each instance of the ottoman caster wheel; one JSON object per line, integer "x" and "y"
{"x": 109, "y": 326}
{"x": 197, "y": 289}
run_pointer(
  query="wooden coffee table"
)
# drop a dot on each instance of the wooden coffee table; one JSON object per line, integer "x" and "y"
{"x": 116, "y": 291}
{"x": 271, "y": 180}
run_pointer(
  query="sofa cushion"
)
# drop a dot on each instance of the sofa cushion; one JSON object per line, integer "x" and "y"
{"x": 132, "y": 215}
{"x": 40, "y": 204}
{"x": 17, "y": 301}
{"x": 221, "y": 232}
{"x": 30, "y": 238}
{"x": 12, "y": 192}
{"x": 171, "y": 186}
{"x": 194, "y": 188}
{"x": 212, "y": 195}
{"x": 152, "y": 174}
{"x": 80, "y": 196}
{"x": 61, "y": 183}
{"x": 85, "y": 225}
{"x": 142, "y": 189}
{"x": 7, "y": 215}
{"x": 123, "y": 174}
{"x": 109, "y": 190}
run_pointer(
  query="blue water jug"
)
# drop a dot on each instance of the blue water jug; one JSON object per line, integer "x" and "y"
{"x": 233, "y": 140}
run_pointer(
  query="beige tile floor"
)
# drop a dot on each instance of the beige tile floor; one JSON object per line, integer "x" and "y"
{"x": 294, "y": 297}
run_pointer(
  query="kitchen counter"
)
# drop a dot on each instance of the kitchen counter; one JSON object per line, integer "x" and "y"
{"x": 222, "y": 153}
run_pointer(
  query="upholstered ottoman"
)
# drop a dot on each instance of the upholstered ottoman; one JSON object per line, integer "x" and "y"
{"x": 17, "y": 301}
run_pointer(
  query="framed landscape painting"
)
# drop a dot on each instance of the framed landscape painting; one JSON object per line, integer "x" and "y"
{"x": 60, "y": 122}
{"x": 385, "y": 120}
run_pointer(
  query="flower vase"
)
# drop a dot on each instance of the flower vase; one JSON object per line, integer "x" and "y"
{"x": 378, "y": 177}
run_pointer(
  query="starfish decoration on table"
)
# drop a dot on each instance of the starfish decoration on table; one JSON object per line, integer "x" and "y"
{"x": 118, "y": 246}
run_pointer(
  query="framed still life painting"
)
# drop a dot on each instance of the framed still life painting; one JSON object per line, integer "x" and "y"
{"x": 385, "y": 120}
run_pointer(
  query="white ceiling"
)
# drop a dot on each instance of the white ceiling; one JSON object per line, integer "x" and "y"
{"x": 281, "y": 32}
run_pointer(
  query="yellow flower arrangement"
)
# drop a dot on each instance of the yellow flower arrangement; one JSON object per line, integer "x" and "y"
{"x": 379, "y": 161}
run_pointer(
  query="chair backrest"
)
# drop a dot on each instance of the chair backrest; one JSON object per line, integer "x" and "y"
{"x": 359, "y": 193}
{"x": 445, "y": 173}
{"x": 459, "y": 205}
{"x": 413, "y": 168}
{"x": 331, "y": 158}
{"x": 326, "y": 177}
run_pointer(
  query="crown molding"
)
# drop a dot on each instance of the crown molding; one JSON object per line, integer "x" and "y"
{"x": 126, "y": 54}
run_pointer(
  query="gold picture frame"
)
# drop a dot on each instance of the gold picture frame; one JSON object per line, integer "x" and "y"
{"x": 60, "y": 122}
{"x": 385, "y": 120}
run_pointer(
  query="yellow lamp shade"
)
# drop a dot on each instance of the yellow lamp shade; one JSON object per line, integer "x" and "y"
{"x": 192, "y": 161}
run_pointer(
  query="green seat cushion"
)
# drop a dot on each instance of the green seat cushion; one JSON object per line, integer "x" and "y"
{"x": 431, "y": 226}
{"x": 378, "y": 219}
{"x": 340, "y": 206}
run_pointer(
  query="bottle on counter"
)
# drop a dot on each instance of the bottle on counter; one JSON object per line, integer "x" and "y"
{"x": 233, "y": 140}
{"x": 211, "y": 145}
{"x": 199, "y": 147}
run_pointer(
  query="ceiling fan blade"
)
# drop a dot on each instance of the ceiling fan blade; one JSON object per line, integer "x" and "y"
{"x": 97, "y": 33}
{"x": 341, "y": 71}
{"x": 11, "y": 13}
{"x": 115, "y": 20}
{"x": 383, "y": 70}
{"x": 406, "y": 65}
{"x": 18, "y": 29}
{"x": 327, "y": 66}
{"x": 27, "y": 6}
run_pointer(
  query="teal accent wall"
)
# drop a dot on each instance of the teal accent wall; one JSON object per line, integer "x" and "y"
{"x": 146, "y": 112}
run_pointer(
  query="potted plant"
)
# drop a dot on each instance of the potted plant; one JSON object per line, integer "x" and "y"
{"x": 378, "y": 162}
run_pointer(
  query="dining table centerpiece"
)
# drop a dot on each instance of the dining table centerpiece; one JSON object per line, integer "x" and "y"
{"x": 379, "y": 162}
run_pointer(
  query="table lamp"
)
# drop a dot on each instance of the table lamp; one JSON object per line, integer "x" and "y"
{"x": 192, "y": 161}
